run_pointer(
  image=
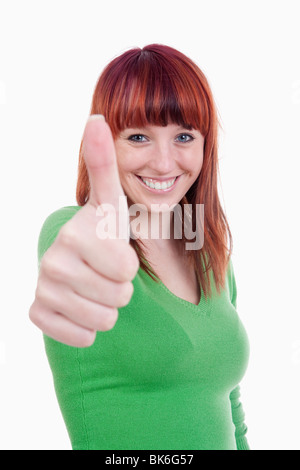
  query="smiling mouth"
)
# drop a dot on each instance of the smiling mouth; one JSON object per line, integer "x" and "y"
{"x": 158, "y": 185}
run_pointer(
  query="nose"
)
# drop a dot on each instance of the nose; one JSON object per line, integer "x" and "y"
{"x": 162, "y": 159}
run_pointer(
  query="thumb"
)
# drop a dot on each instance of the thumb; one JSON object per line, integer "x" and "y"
{"x": 101, "y": 162}
{"x": 106, "y": 193}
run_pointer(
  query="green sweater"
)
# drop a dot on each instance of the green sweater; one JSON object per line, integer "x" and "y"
{"x": 166, "y": 377}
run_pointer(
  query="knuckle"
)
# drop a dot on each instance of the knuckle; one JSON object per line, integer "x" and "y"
{"x": 125, "y": 291}
{"x": 32, "y": 313}
{"x": 134, "y": 262}
{"x": 85, "y": 338}
{"x": 52, "y": 267}
{"x": 128, "y": 262}
{"x": 68, "y": 235}
{"x": 48, "y": 265}
{"x": 109, "y": 320}
{"x": 37, "y": 317}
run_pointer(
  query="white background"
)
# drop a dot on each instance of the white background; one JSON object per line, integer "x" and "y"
{"x": 52, "y": 53}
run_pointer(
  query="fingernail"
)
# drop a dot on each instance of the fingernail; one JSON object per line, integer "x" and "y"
{"x": 95, "y": 117}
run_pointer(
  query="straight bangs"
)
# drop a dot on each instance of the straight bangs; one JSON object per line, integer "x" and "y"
{"x": 146, "y": 88}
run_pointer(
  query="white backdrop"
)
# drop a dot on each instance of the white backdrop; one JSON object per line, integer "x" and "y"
{"x": 52, "y": 53}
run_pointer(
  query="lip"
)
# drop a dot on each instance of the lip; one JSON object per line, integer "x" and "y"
{"x": 168, "y": 178}
{"x": 158, "y": 191}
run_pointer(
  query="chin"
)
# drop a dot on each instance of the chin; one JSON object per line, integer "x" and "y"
{"x": 156, "y": 206}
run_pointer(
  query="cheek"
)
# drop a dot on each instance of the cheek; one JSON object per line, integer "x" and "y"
{"x": 127, "y": 163}
{"x": 199, "y": 159}
{"x": 127, "y": 171}
{"x": 198, "y": 165}
{"x": 193, "y": 163}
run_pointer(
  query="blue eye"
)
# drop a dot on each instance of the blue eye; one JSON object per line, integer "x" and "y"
{"x": 137, "y": 138}
{"x": 186, "y": 135}
{"x": 133, "y": 138}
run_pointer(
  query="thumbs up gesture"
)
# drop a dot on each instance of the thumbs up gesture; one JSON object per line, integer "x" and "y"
{"x": 86, "y": 274}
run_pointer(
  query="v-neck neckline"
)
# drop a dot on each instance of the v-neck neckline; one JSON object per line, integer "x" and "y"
{"x": 204, "y": 305}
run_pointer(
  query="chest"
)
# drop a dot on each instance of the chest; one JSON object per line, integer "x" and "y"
{"x": 161, "y": 341}
{"x": 176, "y": 274}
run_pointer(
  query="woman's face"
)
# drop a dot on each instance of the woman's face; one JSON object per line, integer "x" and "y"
{"x": 158, "y": 165}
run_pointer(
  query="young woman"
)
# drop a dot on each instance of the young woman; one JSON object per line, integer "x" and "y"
{"x": 143, "y": 338}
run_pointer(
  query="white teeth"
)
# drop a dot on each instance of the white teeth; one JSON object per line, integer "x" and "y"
{"x": 158, "y": 185}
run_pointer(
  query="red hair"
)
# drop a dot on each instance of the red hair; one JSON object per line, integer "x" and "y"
{"x": 159, "y": 85}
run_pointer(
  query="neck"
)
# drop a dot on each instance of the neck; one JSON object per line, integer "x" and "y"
{"x": 153, "y": 226}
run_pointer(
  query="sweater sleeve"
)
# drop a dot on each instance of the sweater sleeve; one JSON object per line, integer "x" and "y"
{"x": 238, "y": 418}
{"x": 238, "y": 415}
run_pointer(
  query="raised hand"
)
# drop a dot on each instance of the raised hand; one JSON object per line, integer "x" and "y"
{"x": 84, "y": 277}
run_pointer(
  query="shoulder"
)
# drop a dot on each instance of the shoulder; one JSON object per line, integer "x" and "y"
{"x": 52, "y": 225}
{"x": 60, "y": 216}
